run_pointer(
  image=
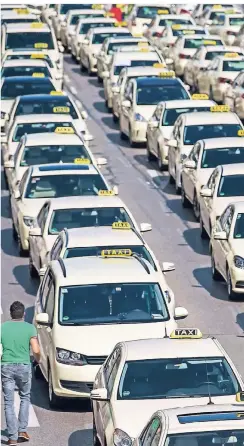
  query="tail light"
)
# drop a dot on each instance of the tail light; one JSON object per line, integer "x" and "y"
{"x": 157, "y": 34}
{"x": 222, "y": 80}
{"x": 184, "y": 56}
{"x": 184, "y": 11}
{"x": 231, "y": 33}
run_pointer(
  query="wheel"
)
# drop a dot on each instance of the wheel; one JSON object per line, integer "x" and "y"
{"x": 14, "y": 233}
{"x": 96, "y": 442}
{"x": 22, "y": 252}
{"x": 231, "y": 294}
{"x": 99, "y": 79}
{"x": 203, "y": 232}
{"x": 115, "y": 118}
{"x": 32, "y": 269}
{"x": 184, "y": 201}
{"x": 54, "y": 401}
{"x": 123, "y": 136}
{"x": 177, "y": 189}
{"x": 108, "y": 108}
{"x": 196, "y": 208}
{"x": 215, "y": 274}
{"x": 171, "y": 179}
{"x": 37, "y": 371}
{"x": 82, "y": 68}
{"x": 159, "y": 160}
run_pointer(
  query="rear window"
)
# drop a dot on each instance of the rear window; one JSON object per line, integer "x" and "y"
{"x": 36, "y": 127}
{"x": 236, "y": 21}
{"x": 44, "y": 154}
{"x": 84, "y": 28}
{"x": 27, "y": 40}
{"x": 233, "y": 65}
{"x": 24, "y": 71}
{"x": 11, "y": 90}
{"x": 53, "y": 105}
{"x": 99, "y": 38}
{"x": 29, "y": 56}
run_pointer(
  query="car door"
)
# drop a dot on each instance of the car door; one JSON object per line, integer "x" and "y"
{"x": 222, "y": 247}
{"x": 14, "y": 201}
{"x": 191, "y": 174}
{"x": 127, "y": 111}
{"x": 207, "y": 202}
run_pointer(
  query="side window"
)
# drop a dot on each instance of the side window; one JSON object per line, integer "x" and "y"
{"x": 228, "y": 220}
{"x": 56, "y": 249}
{"x": 20, "y": 145}
{"x": 44, "y": 288}
{"x": 111, "y": 368}
{"x": 212, "y": 180}
{"x": 151, "y": 435}
{"x": 49, "y": 307}
{"x": 22, "y": 183}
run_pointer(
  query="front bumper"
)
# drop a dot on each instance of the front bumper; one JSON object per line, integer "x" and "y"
{"x": 93, "y": 64}
{"x": 237, "y": 279}
{"x": 139, "y": 131}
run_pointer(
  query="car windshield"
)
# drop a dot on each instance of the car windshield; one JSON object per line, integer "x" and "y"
{"x": 212, "y": 158}
{"x": 209, "y": 438}
{"x": 232, "y": 65}
{"x": 176, "y": 378}
{"x": 236, "y": 21}
{"x": 52, "y": 104}
{"x": 99, "y": 38}
{"x": 61, "y": 185}
{"x": 36, "y": 127}
{"x": 29, "y": 40}
{"x": 75, "y": 18}
{"x": 114, "y": 47}
{"x": 239, "y": 226}
{"x": 24, "y": 71}
{"x": 84, "y": 28}
{"x": 210, "y": 55}
{"x": 170, "y": 115}
{"x": 165, "y": 22}
{"x": 96, "y": 251}
{"x": 135, "y": 63}
{"x": 29, "y": 56}
{"x": 153, "y": 94}
{"x": 147, "y": 12}
{"x": 18, "y": 20}
{"x": 196, "y": 43}
{"x": 180, "y": 32}
{"x": 11, "y": 90}
{"x": 231, "y": 186}
{"x": 86, "y": 217}
{"x": 194, "y": 133}
{"x": 49, "y": 154}
{"x": 218, "y": 18}
{"x": 112, "y": 304}
{"x": 67, "y": 7}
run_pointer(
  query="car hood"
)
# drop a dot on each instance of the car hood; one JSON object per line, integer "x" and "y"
{"x": 144, "y": 409}
{"x": 237, "y": 245}
{"x": 145, "y": 110}
{"x": 220, "y": 203}
{"x": 6, "y": 105}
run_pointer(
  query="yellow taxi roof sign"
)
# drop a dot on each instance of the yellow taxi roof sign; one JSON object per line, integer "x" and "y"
{"x": 37, "y": 25}
{"x": 142, "y": 44}
{"x": 159, "y": 65}
{"x": 176, "y": 26}
{"x": 106, "y": 193}
{"x": 95, "y": 6}
{"x": 230, "y": 11}
{"x": 116, "y": 252}
{"x": 121, "y": 225}
{"x": 137, "y": 34}
{"x": 240, "y": 397}
{"x": 209, "y": 42}
{"x": 217, "y": 6}
{"x": 163, "y": 11}
{"x": 231, "y": 55}
{"x": 199, "y": 96}
{"x": 189, "y": 31}
{"x": 144, "y": 50}
{"x": 186, "y": 333}
{"x": 240, "y": 132}
{"x": 21, "y": 10}
{"x": 82, "y": 161}
{"x": 40, "y": 45}
{"x": 64, "y": 130}
{"x": 37, "y": 56}
{"x": 220, "y": 108}
{"x": 61, "y": 109}
{"x": 56, "y": 93}
{"x": 167, "y": 74}
{"x": 38, "y": 75}
{"x": 109, "y": 14}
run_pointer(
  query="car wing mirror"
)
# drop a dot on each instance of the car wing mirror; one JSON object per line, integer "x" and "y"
{"x": 145, "y": 227}
{"x": 220, "y": 235}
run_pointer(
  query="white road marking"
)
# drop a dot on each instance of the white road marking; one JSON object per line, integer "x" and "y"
{"x": 124, "y": 162}
{"x": 152, "y": 173}
{"x": 1, "y": 310}
{"x": 33, "y": 421}
{"x": 67, "y": 79}
{"x": 73, "y": 90}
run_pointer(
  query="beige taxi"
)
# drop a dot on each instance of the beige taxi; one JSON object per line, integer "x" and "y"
{"x": 234, "y": 95}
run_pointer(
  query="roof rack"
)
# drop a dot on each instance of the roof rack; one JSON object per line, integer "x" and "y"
{"x": 62, "y": 266}
{"x": 142, "y": 262}
{"x": 66, "y": 236}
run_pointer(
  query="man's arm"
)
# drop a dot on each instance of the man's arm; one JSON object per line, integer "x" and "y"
{"x": 35, "y": 348}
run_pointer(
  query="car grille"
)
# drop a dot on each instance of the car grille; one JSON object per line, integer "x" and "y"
{"x": 77, "y": 386}
{"x": 95, "y": 360}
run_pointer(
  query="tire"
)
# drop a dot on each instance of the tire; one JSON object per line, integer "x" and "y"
{"x": 231, "y": 294}
{"x": 115, "y": 118}
{"x": 96, "y": 442}
{"x": 82, "y": 68}
{"x": 123, "y": 136}
{"x": 32, "y": 270}
{"x": 171, "y": 179}
{"x": 177, "y": 189}
{"x": 99, "y": 79}
{"x": 196, "y": 207}
{"x": 22, "y": 252}
{"x": 14, "y": 233}
{"x": 215, "y": 274}
{"x": 37, "y": 372}
{"x": 184, "y": 201}
{"x": 54, "y": 401}
{"x": 203, "y": 231}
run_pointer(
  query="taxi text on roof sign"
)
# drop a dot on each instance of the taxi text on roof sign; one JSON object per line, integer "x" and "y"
{"x": 61, "y": 109}
{"x": 21, "y": 10}
{"x": 142, "y": 44}
{"x": 176, "y": 26}
{"x": 41, "y": 45}
{"x": 63, "y": 130}
{"x": 167, "y": 74}
{"x": 220, "y": 108}
{"x": 119, "y": 24}
{"x": 116, "y": 252}
{"x": 82, "y": 161}
{"x": 144, "y": 50}
{"x": 240, "y": 132}
{"x": 159, "y": 65}
{"x": 231, "y": 55}
{"x": 36, "y": 25}
{"x": 209, "y": 42}
{"x": 199, "y": 96}
{"x": 38, "y": 56}
{"x": 97, "y": 6}
{"x": 163, "y": 11}
{"x": 106, "y": 193}
{"x": 121, "y": 225}
{"x": 109, "y": 14}
{"x": 186, "y": 333}
{"x": 38, "y": 75}
{"x": 240, "y": 397}
{"x": 56, "y": 93}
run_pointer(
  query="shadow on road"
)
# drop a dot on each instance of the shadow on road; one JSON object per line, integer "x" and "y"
{"x": 115, "y": 139}
{"x": 215, "y": 289}
{"x": 9, "y": 246}
{"x": 240, "y": 321}
{"x": 21, "y": 274}
{"x": 82, "y": 437}
{"x": 5, "y": 207}
{"x": 108, "y": 121}
{"x": 100, "y": 107}
{"x": 193, "y": 239}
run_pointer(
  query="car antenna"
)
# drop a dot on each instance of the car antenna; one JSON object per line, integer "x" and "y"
{"x": 209, "y": 394}
{"x": 165, "y": 332}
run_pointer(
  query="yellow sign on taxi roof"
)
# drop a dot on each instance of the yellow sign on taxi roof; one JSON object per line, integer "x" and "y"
{"x": 137, "y": 34}
{"x": 188, "y": 31}
{"x": 38, "y": 75}
{"x": 199, "y": 96}
{"x": 217, "y": 6}
{"x": 209, "y": 42}
{"x": 38, "y": 56}
{"x": 41, "y": 45}
{"x": 95, "y": 6}
{"x": 231, "y": 55}
{"x": 61, "y": 109}
{"x": 163, "y": 11}
{"x": 176, "y": 26}
{"x": 121, "y": 225}
{"x": 109, "y": 14}
{"x": 37, "y": 25}
{"x": 82, "y": 161}
{"x": 106, "y": 193}
{"x": 167, "y": 74}
{"x": 230, "y": 11}
{"x": 220, "y": 108}
{"x": 186, "y": 333}
{"x": 142, "y": 44}
{"x": 116, "y": 252}
{"x": 64, "y": 130}
{"x": 240, "y": 132}
{"x": 159, "y": 65}
{"x": 21, "y": 10}
{"x": 144, "y": 50}
{"x": 56, "y": 93}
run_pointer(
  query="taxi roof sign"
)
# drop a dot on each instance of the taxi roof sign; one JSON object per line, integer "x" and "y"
{"x": 82, "y": 161}
{"x": 188, "y": 31}
{"x": 40, "y": 45}
{"x": 109, "y": 14}
{"x": 142, "y": 44}
{"x": 38, "y": 75}
{"x": 106, "y": 193}
{"x": 231, "y": 55}
{"x": 64, "y": 130}
{"x": 144, "y": 50}
{"x": 176, "y": 26}
{"x": 240, "y": 397}
{"x": 37, "y": 56}
{"x": 240, "y": 132}
{"x": 56, "y": 93}
{"x": 199, "y": 96}
{"x": 37, "y": 25}
{"x": 162, "y": 11}
{"x": 61, "y": 109}
{"x": 167, "y": 74}
{"x": 220, "y": 108}
{"x": 21, "y": 10}
{"x": 209, "y": 42}
{"x": 186, "y": 333}
{"x": 121, "y": 225}
{"x": 116, "y": 252}
{"x": 217, "y": 6}
{"x": 159, "y": 65}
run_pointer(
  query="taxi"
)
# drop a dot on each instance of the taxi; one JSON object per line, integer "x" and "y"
{"x": 186, "y": 46}
{"x": 59, "y": 15}
{"x": 190, "y": 128}
{"x": 231, "y": 27}
{"x": 32, "y": 35}
{"x": 124, "y": 78}
{"x": 224, "y": 186}
{"x": 239, "y": 37}
{"x": 110, "y": 47}
{"x": 92, "y": 44}
{"x": 141, "y": 98}
{"x": 49, "y": 181}
{"x": 154, "y": 31}
{"x": 198, "y": 65}
{"x": 214, "y": 16}
{"x": 221, "y": 72}
{"x": 194, "y": 426}
{"x": 141, "y": 57}
{"x": 116, "y": 298}
{"x": 55, "y": 103}
{"x": 48, "y": 148}
{"x": 179, "y": 370}
{"x": 204, "y": 157}
{"x": 202, "y": 7}
{"x": 227, "y": 249}
{"x": 141, "y": 16}
{"x": 23, "y": 16}
{"x": 35, "y": 68}
{"x": 11, "y": 87}
{"x": 161, "y": 124}
{"x": 234, "y": 95}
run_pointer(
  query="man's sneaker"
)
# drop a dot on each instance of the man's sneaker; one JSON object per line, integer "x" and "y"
{"x": 12, "y": 442}
{"x": 23, "y": 436}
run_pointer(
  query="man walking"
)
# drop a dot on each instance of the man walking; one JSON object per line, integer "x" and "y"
{"x": 17, "y": 336}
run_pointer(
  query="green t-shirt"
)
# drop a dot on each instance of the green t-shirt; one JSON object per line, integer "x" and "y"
{"x": 15, "y": 340}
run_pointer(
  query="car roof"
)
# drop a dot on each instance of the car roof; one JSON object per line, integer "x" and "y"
{"x": 147, "y": 71}
{"x": 101, "y": 270}
{"x": 10, "y": 14}
{"x": 202, "y": 118}
{"x": 24, "y": 62}
{"x": 97, "y": 20}
{"x": 136, "y": 55}
{"x": 232, "y": 169}
{"x": 239, "y": 206}
{"x": 214, "y": 143}
{"x": 40, "y": 139}
{"x": 26, "y": 27}
{"x": 102, "y": 236}
{"x": 157, "y": 81}
{"x": 83, "y": 202}
{"x": 101, "y": 30}
{"x": 171, "y": 348}
{"x": 43, "y": 118}
{"x": 187, "y": 103}
{"x": 64, "y": 169}
{"x": 25, "y": 79}
{"x": 127, "y": 39}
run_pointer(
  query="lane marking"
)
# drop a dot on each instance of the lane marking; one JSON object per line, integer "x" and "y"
{"x": 67, "y": 78}
{"x": 33, "y": 421}
{"x": 124, "y": 162}
{"x": 1, "y": 310}
{"x": 73, "y": 90}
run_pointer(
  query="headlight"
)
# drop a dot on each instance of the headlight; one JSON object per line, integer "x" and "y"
{"x": 239, "y": 262}
{"x": 121, "y": 438}
{"x": 28, "y": 221}
{"x": 2, "y": 115}
{"x": 138, "y": 117}
{"x": 70, "y": 358}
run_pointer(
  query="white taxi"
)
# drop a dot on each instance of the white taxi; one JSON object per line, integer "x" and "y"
{"x": 155, "y": 29}
{"x": 92, "y": 44}
{"x": 143, "y": 57}
{"x": 85, "y": 306}
{"x": 195, "y": 425}
{"x": 142, "y": 375}
{"x": 234, "y": 95}
{"x": 221, "y": 72}
{"x": 205, "y": 156}
{"x": 227, "y": 249}
{"x": 141, "y": 98}
{"x": 161, "y": 124}
{"x": 32, "y": 35}
{"x": 190, "y": 128}
{"x": 231, "y": 27}
{"x": 59, "y": 15}
{"x": 23, "y": 16}
{"x": 186, "y": 46}
{"x": 214, "y": 16}
{"x": 125, "y": 76}
{"x": 50, "y": 181}
{"x": 141, "y": 16}
{"x": 224, "y": 186}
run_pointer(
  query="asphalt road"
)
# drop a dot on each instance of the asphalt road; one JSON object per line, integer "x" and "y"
{"x": 175, "y": 237}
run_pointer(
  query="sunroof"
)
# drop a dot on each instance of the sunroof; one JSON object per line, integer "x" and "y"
{"x": 214, "y": 416}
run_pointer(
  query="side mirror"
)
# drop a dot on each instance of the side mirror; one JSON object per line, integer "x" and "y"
{"x": 61, "y": 49}
{"x": 102, "y": 161}
{"x": 206, "y": 192}
{"x": 180, "y": 313}
{"x": 87, "y": 137}
{"x": 145, "y": 227}
{"x": 42, "y": 319}
{"x": 190, "y": 164}
{"x": 99, "y": 394}
{"x": 35, "y": 232}
{"x": 9, "y": 164}
{"x": 17, "y": 194}
{"x": 86, "y": 42}
{"x": 126, "y": 103}
{"x": 6, "y": 117}
{"x": 84, "y": 114}
{"x": 105, "y": 74}
{"x": 220, "y": 235}
{"x": 209, "y": 22}
{"x": 115, "y": 89}
{"x": 172, "y": 143}
{"x": 153, "y": 124}
{"x": 168, "y": 266}
{"x": 116, "y": 190}
{"x": 169, "y": 61}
